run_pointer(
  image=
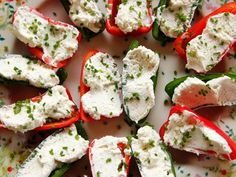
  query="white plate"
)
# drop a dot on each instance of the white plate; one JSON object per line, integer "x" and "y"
{"x": 171, "y": 66}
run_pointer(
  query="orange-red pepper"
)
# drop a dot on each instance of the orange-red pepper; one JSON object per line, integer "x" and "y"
{"x": 181, "y": 41}
{"x": 179, "y": 110}
{"x": 84, "y": 89}
{"x": 38, "y": 52}
{"x": 113, "y": 29}
{"x": 64, "y": 122}
{"x": 57, "y": 124}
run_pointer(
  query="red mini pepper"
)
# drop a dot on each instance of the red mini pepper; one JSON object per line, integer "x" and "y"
{"x": 121, "y": 146}
{"x": 58, "y": 124}
{"x": 84, "y": 89}
{"x": 193, "y": 120}
{"x": 115, "y": 30}
{"x": 181, "y": 41}
{"x": 38, "y": 52}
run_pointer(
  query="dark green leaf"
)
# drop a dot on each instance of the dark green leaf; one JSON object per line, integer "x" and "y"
{"x": 62, "y": 74}
{"x": 61, "y": 171}
{"x": 81, "y": 131}
{"x": 158, "y": 34}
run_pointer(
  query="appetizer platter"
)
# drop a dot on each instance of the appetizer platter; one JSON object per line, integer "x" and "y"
{"x": 113, "y": 88}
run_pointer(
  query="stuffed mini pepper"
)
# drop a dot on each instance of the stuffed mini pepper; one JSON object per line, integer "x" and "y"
{"x": 17, "y": 69}
{"x": 52, "y": 110}
{"x": 206, "y": 43}
{"x": 139, "y": 79}
{"x": 203, "y": 90}
{"x": 151, "y": 154}
{"x": 109, "y": 156}
{"x": 100, "y": 87}
{"x": 86, "y": 15}
{"x": 187, "y": 131}
{"x": 132, "y": 17}
{"x": 51, "y": 41}
{"x": 54, "y": 155}
{"x": 173, "y": 18}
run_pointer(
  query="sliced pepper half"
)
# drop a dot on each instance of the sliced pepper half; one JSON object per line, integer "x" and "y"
{"x": 170, "y": 87}
{"x": 60, "y": 123}
{"x": 66, "y": 166}
{"x": 136, "y": 96}
{"x": 60, "y": 156}
{"x": 156, "y": 32}
{"x": 151, "y": 154}
{"x": 86, "y": 33}
{"x": 181, "y": 41}
{"x": 84, "y": 88}
{"x": 21, "y": 75}
{"x": 198, "y": 90}
{"x": 179, "y": 12}
{"x": 38, "y": 50}
{"x": 113, "y": 29}
{"x": 212, "y": 136}
{"x": 116, "y": 156}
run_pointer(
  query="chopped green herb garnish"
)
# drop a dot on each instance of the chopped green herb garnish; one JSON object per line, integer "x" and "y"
{"x": 51, "y": 152}
{"x": 108, "y": 160}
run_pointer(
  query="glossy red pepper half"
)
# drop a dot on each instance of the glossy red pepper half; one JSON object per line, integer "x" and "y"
{"x": 38, "y": 52}
{"x": 121, "y": 146}
{"x": 84, "y": 89}
{"x": 113, "y": 29}
{"x": 57, "y": 124}
{"x": 193, "y": 120}
{"x": 181, "y": 41}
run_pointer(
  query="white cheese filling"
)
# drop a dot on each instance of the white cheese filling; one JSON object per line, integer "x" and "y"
{"x": 65, "y": 146}
{"x": 225, "y": 89}
{"x": 140, "y": 64}
{"x": 194, "y": 93}
{"x": 101, "y": 75}
{"x": 85, "y": 13}
{"x": 187, "y": 133}
{"x": 26, "y": 115}
{"x": 58, "y": 42}
{"x": 107, "y": 159}
{"x": 176, "y": 18}
{"x": 132, "y": 14}
{"x": 206, "y": 50}
{"x": 151, "y": 156}
{"x": 19, "y": 68}
{"x": 207, "y": 7}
